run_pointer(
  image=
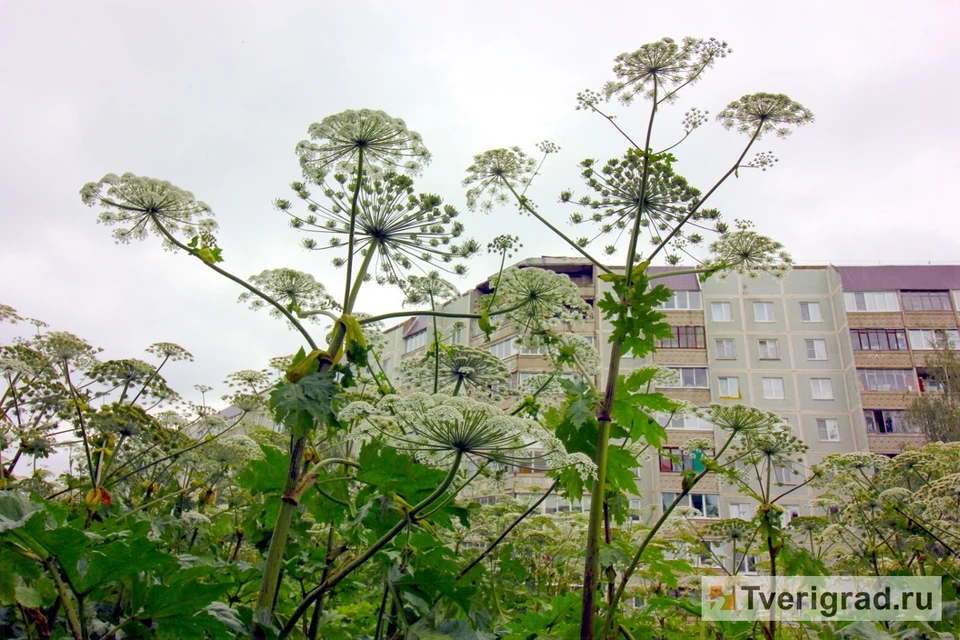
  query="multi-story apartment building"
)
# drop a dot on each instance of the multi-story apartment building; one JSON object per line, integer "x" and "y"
{"x": 837, "y": 352}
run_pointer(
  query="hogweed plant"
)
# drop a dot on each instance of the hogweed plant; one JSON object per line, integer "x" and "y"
{"x": 366, "y": 488}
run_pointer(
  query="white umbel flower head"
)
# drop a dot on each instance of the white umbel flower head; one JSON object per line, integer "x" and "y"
{"x": 139, "y": 206}
{"x": 538, "y": 300}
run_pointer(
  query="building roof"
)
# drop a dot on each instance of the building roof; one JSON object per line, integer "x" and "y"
{"x": 892, "y": 277}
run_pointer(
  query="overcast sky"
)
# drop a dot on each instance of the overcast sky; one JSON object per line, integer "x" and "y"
{"x": 213, "y": 96}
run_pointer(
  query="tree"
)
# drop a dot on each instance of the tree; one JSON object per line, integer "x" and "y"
{"x": 936, "y": 413}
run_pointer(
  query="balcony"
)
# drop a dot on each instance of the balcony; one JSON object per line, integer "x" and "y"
{"x": 671, "y": 482}
{"x": 699, "y": 397}
{"x": 683, "y": 317}
{"x": 930, "y": 319}
{"x": 668, "y": 357}
{"x": 894, "y": 442}
{"x": 888, "y": 399}
{"x": 875, "y": 320}
{"x": 883, "y": 359}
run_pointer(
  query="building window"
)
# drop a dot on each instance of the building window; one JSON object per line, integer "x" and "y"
{"x": 684, "y": 338}
{"x": 688, "y": 378}
{"x": 684, "y": 422}
{"x": 673, "y": 460}
{"x": 745, "y": 563}
{"x": 729, "y": 387}
{"x": 810, "y": 312}
{"x": 878, "y": 339}
{"x": 821, "y": 388}
{"x": 721, "y": 312}
{"x": 683, "y": 300}
{"x": 769, "y": 350}
{"x": 773, "y": 388}
{"x": 415, "y": 341}
{"x": 887, "y": 379}
{"x": 385, "y": 365}
{"x": 741, "y": 510}
{"x": 475, "y": 329}
{"x": 532, "y": 351}
{"x": 926, "y": 300}
{"x": 708, "y": 504}
{"x": 926, "y": 339}
{"x": 784, "y": 473}
{"x": 726, "y": 349}
{"x": 635, "y": 506}
{"x": 816, "y": 349}
{"x": 871, "y": 301}
{"x": 457, "y": 336}
{"x": 789, "y": 513}
{"x": 828, "y": 430}
{"x": 763, "y": 312}
{"x": 887, "y": 421}
{"x": 502, "y": 349}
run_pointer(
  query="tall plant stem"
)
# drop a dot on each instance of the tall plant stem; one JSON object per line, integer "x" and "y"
{"x": 440, "y": 314}
{"x": 506, "y": 532}
{"x": 591, "y": 567}
{"x": 353, "y": 227}
{"x": 345, "y": 570}
{"x": 75, "y": 627}
{"x": 240, "y": 281}
{"x": 81, "y": 423}
{"x": 522, "y": 202}
{"x": 635, "y": 561}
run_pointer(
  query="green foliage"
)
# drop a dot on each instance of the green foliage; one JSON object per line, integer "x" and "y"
{"x": 637, "y": 325}
{"x": 306, "y": 404}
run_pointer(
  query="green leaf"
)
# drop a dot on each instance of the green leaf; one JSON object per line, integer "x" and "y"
{"x": 637, "y": 323}
{"x": 267, "y": 475}
{"x": 183, "y": 594}
{"x": 301, "y": 405}
{"x": 631, "y": 407}
{"x": 15, "y": 510}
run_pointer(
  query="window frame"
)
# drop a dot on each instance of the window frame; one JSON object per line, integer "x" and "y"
{"x": 723, "y": 306}
{"x": 765, "y": 306}
{"x": 815, "y": 342}
{"x": 683, "y": 336}
{"x": 810, "y": 306}
{"x": 880, "y": 337}
{"x": 950, "y": 337}
{"x": 926, "y": 300}
{"x": 727, "y": 341}
{"x": 909, "y": 378}
{"x": 824, "y": 433}
{"x": 725, "y": 379}
{"x": 818, "y": 382}
{"x": 783, "y": 389}
{"x": 765, "y": 344}
{"x": 862, "y": 301}
{"x": 413, "y": 341}
{"x": 680, "y": 373}
{"x": 690, "y": 297}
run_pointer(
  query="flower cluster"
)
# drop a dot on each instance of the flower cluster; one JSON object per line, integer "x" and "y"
{"x": 338, "y": 141}
{"x": 475, "y": 372}
{"x": 536, "y": 300}
{"x": 399, "y": 226}
{"x": 661, "y": 68}
{"x": 496, "y": 174}
{"x": 748, "y": 253}
{"x": 9, "y": 314}
{"x": 141, "y": 205}
{"x": 506, "y": 245}
{"x": 621, "y": 201}
{"x": 436, "y": 427}
{"x": 574, "y": 351}
{"x": 430, "y": 289}
{"x": 169, "y": 351}
{"x": 760, "y": 113}
{"x": 295, "y": 290}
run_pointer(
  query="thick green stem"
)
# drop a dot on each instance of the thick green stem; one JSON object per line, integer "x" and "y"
{"x": 351, "y": 566}
{"x": 72, "y": 618}
{"x": 353, "y": 226}
{"x": 591, "y": 570}
{"x": 441, "y": 314}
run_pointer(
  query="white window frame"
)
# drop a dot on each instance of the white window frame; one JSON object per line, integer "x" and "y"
{"x": 502, "y": 349}
{"x": 816, "y": 346}
{"x": 768, "y": 349}
{"x": 769, "y": 389}
{"x": 763, "y": 316}
{"x": 821, "y": 388}
{"x": 828, "y": 430}
{"x": 741, "y": 510}
{"x": 724, "y": 389}
{"x": 415, "y": 341}
{"x": 871, "y": 301}
{"x": 812, "y": 312}
{"x": 790, "y": 512}
{"x": 930, "y": 339}
{"x": 725, "y": 353}
{"x": 385, "y": 365}
{"x": 881, "y": 378}
{"x": 784, "y": 473}
{"x": 683, "y": 300}
{"x": 680, "y": 378}
{"x": 725, "y": 311}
